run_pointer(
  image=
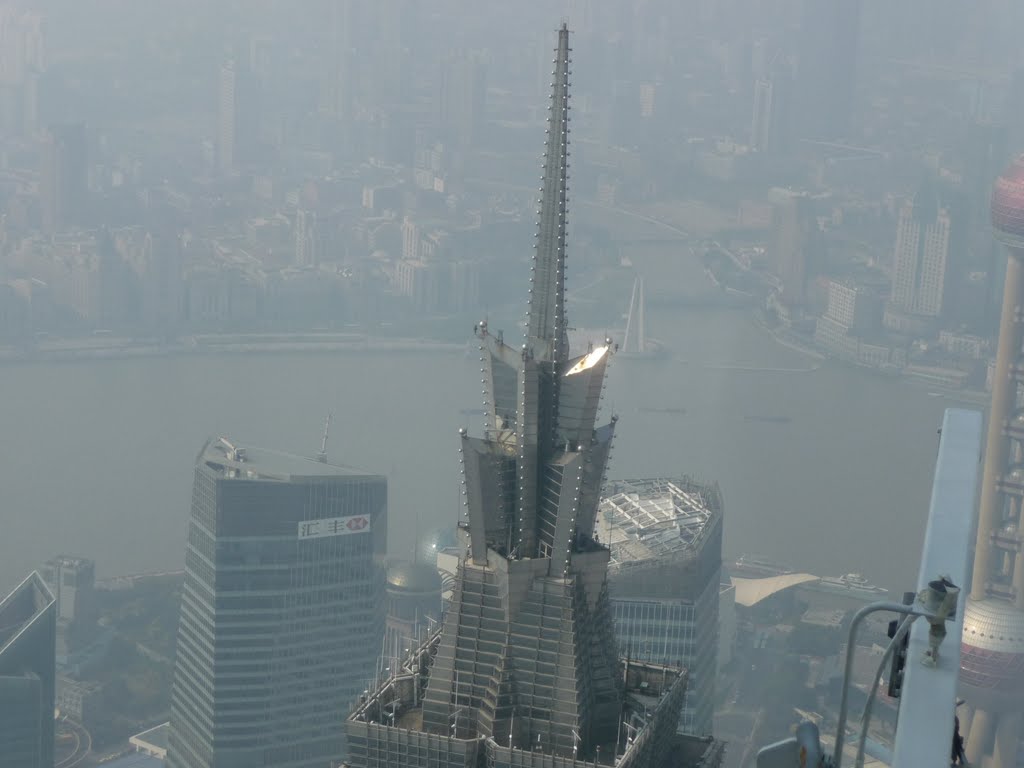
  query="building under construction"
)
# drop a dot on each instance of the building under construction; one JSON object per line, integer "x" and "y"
{"x": 524, "y": 670}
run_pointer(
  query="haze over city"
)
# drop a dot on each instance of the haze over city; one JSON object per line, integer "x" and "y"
{"x": 296, "y": 225}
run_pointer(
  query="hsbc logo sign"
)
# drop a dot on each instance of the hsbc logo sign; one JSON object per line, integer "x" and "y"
{"x": 333, "y": 526}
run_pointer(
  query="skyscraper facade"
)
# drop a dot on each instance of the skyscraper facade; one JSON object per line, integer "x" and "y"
{"x": 238, "y": 123}
{"x": 28, "y": 636}
{"x": 524, "y": 670}
{"x": 281, "y": 613}
{"x": 665, "y": 537}
{"x": 992, "y": 651}
{"x": 794, "y": 241}
{"x": 920, "y": 256}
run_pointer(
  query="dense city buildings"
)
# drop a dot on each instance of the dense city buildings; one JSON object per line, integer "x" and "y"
{"x": 665, "y": 538}
{"x": 992, "y": 659}
{"x": 525, "y": 669}
{"x": 28, "y": 634}
{"x": 281, "y": 614}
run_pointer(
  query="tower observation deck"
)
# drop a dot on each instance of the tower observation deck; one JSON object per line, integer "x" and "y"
{"x": 992, "y": 660}
{"x": 524, "y": 670}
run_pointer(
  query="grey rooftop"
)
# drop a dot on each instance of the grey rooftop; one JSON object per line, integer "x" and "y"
{"x": 657, "y": 518}
{"x": 249, "y": 462}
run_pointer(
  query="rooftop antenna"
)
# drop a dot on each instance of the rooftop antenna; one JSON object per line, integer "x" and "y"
{"x": 322, "y": 456}
{"x": 416, "y": 541}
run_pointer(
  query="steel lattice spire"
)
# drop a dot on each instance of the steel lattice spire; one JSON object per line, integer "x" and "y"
{"x": 546, "y": 322}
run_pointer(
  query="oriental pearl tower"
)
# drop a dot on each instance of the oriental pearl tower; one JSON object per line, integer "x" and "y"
{"x": 992, "y": 651}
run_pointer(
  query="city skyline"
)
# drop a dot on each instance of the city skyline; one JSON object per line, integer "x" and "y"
{"x": 230, "y": 218}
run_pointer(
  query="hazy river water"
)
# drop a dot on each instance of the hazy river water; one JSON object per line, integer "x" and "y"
{"x": 96, "y": 457}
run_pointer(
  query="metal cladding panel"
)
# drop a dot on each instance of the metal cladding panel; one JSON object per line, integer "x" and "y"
{"x": 546, "y": 330}
{"x": 485, "y": 501}
{"x": 593, "y": 479}
{"x": 579, "y": 399}
{"x": 559, "y": 503}
{"x": 501, "y": 369}
{"x": 526, "y": 461}
{"x": 543, "y": 660}
{"x": 469, "y": 652}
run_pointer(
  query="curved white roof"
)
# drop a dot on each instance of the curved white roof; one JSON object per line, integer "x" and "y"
{"x": 750, "y": 592}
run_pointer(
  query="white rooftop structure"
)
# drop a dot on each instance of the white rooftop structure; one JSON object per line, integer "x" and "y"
{"x": 657, "y": 519}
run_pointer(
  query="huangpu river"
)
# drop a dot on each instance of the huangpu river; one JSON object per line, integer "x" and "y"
{"x": 822, "y": 467}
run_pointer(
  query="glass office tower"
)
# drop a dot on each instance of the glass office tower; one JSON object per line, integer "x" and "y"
{"x": 282, "y": 609}
{"x": 28, "y": 647}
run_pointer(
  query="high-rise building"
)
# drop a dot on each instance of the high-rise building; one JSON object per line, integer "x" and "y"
{"x": 305, "y": 238}
{"x": 22, "y": 60}
{"x": 760, "y": 128}
{"x": 28, "y": 636}
{"x": 161, "y": 273}
{"x": 22, "y": 43}
{"x": 281, "y": 613}
{"x": 772, "y": 126}
{"x": 992, "y": 655}
{"x": 665, "y": 537}
{"x": 920, "y": 256}
{"x": 227, "y": 117}
{"x": 795, "y": 236}
{"x": 64, "y": 179}
{"x": 238, "y": 124}
{"x": 827, "y": 67}
{"x": 340, "y": 77}
{"x": 524, "y": 670}
{"x": 72, "y": 581}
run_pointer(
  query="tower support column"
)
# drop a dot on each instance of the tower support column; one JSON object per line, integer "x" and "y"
{"x": 979, "y": 737}
{"x": 966, "y": 718}
{"x": 1004, "y": 391}
{"x": 1004, "y": 751}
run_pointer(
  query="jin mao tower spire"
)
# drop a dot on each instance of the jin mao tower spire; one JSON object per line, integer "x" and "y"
{"x": 524, "y": 670}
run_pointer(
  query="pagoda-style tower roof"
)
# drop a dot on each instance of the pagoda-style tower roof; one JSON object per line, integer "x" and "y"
{"x": 525, "y": 665}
